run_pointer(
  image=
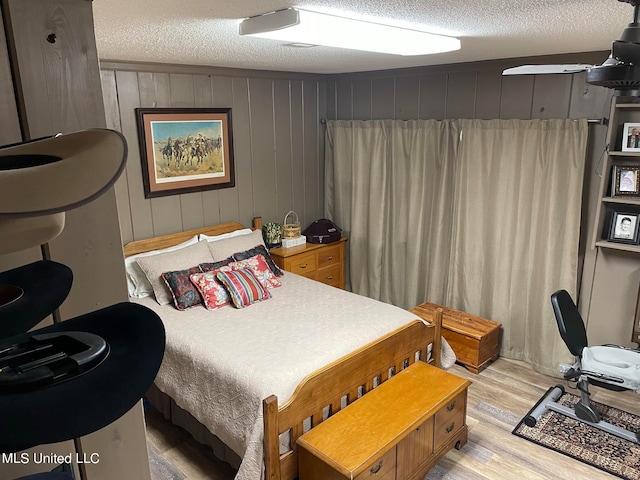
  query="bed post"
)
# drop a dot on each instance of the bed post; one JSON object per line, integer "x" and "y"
{"x": 437, "y": 341}
{"x": 271, "y": 438}
{"x": 256, "y": 223}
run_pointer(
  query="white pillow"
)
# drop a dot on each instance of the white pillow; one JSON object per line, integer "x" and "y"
{"x": 182, "y": 259}
{"x": 137, "y": 282}
{"x": 214, "y": 238}
{"x": 226, "y": 247}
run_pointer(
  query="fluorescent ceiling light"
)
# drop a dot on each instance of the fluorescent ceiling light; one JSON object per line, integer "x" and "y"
{"x": 304, "y": 26}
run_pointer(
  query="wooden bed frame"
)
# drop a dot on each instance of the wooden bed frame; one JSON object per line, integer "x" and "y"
{"x": 329, "y": 388}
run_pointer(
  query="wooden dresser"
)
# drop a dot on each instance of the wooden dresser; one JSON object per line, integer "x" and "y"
{"x": 324, "y": 263}
{"x": 398, "y": 431}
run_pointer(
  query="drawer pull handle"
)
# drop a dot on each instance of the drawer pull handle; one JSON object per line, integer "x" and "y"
{"x": 451, "y": 406}
{"x": 304, "y": 266}
{"x": 329, "y": 277}
{"x": 329, "y": 258}
{"x": 376, "y": 468}
{"x": 449, "y": 429}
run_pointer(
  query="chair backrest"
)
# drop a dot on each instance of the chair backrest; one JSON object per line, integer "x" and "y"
{"x": 570, "y": 322}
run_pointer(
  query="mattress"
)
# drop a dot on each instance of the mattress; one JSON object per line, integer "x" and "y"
{"x": 219, "y": 365}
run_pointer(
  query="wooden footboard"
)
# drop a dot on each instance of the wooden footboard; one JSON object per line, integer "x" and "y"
{"x": 331, "y": 388}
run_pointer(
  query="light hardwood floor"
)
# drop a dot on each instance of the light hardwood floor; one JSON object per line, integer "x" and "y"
{"x": 498, "y": 398}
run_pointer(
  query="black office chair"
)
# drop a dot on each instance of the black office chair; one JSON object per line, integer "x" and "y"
{"x": 608, "y": 366}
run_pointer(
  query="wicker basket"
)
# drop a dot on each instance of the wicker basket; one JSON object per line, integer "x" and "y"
{"x": 291, "y": 229}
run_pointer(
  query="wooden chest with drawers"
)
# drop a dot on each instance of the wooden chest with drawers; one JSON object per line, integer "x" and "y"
{"x": 475, "y": 340}
{"x": 397, "y": 431}
{"x": 324, "y": 263}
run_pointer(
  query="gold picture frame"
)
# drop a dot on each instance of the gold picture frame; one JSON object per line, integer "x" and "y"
{"x": 625, "y": 180}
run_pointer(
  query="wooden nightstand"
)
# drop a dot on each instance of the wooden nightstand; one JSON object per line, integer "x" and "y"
{"x": 397, "y": 431}
{"x": 321, "y": 262}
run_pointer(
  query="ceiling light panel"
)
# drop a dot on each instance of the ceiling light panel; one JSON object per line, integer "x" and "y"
{"x": 304, "y": 26}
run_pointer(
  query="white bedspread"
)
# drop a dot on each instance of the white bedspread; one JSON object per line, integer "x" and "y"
{"x": 219, "y": 365}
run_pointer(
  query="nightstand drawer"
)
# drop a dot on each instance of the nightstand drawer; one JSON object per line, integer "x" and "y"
{"x": 330, "y": 275}
{"x": 448, "y": 420}
{"x": 323, "y": 263}
{"x": 383, "y": 469}
{"x": 329, "y": 256}
{"x": 303, "y": 264}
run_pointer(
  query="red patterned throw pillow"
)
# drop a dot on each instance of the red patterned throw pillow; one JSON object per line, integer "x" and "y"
{"x": 243, "y": 287}
{"x": 260, "y": 269}
{"x": 213, "y": 293}
{"x": 259, "y": 250}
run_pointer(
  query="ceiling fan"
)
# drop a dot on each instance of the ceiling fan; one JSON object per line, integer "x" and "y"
{"x": 621, "y": 71}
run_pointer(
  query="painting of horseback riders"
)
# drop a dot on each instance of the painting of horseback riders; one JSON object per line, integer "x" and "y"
{"x": 185, "y": 150}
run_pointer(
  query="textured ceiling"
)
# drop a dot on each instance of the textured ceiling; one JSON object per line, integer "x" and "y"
{"x": 205, "y": 32}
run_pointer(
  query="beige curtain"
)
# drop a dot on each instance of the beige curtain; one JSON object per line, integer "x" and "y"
{"x": 387, "y": 185}
{"x": 479, "y": 215}
{"x": 516, "y": 229}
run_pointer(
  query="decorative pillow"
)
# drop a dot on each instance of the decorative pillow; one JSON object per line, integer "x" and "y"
{"x": 259, "y": 250}
{"x": 182, "y": 259}
{"x": 208, "y": 267}
{"x": 213, "y": 293}
{"x": 185, "y": 294}
{"x": 225, "y": 248}
{"x": 260, "y": 269}
{"x": 137, "y": 283}
{"x": 243, "y": 287}
{"x": 215, "y": 238}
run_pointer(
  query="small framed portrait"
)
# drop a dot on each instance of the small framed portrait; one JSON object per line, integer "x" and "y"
{"x": 631, "y": 137}
{"x": 624, "y": 228}
{"x": 626, "y": 180}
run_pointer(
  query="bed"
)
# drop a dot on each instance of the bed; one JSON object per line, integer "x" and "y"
{"x": 258, "y": 377}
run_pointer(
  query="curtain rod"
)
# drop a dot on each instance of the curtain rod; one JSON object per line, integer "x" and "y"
{"x": 599, "y": 121}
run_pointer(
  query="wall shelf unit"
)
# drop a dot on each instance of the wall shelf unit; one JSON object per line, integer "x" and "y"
{"x": 610, "y": 206}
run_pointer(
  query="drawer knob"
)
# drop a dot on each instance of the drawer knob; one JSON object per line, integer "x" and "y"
{"x": 451, "y": 406}
{"x": 376, "y": 468}
{"x": 449, "y": 429}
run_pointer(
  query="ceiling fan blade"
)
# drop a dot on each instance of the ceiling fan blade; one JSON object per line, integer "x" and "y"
{"x": 546, "y": 69}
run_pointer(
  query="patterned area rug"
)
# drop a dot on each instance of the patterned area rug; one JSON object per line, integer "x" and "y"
{"x": 585, "y": 443}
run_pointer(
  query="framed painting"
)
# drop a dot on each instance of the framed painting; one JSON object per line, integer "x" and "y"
{"x": 185, "y": 150}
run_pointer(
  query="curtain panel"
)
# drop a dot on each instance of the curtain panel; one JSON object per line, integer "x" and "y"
{"x": 478, "y": 215}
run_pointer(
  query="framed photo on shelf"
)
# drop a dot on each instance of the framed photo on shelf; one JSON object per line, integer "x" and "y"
{"x": 184, "y": 150}
{"x": 625, "y": 180}
{"x": 624, "y": 228}
{"x": 631, "y": 137}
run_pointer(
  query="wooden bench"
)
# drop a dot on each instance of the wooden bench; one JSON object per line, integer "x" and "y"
{"x": 397, "y": 431}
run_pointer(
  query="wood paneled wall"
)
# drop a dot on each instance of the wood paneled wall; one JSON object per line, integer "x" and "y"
{"x": 467, "y": 90}
{"x": 277, "y": 136}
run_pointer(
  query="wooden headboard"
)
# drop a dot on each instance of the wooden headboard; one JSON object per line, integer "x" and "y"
{"x": 164, "y": 241}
